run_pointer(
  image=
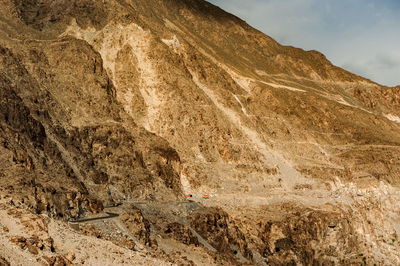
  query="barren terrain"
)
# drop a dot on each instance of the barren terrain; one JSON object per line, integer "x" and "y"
{"x": 112, "y": 111}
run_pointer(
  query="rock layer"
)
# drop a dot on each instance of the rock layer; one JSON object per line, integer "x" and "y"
{"x": 125, "y": 106}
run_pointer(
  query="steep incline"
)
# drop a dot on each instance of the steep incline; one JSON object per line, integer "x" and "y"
{"x": 122, "y": 101}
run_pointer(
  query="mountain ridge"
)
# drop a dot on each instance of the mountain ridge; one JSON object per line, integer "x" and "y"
{"x": 127, "y": 107}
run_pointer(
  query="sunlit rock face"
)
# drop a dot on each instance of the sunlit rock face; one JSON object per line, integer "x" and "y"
{"x": 125, "y": 107}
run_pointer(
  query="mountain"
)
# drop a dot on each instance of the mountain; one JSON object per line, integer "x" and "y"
{"x": 113, "y": 111}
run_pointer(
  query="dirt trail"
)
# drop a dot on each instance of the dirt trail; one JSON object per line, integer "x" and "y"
{"x": 113, "y": 214}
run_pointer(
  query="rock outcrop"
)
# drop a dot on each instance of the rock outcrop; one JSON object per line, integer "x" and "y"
{"x": 111, "y": 111}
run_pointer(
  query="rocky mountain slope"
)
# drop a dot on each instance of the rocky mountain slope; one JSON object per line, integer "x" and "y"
{"x": 111, "y": 111}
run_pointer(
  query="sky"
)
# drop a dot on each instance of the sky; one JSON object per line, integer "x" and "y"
{"x": 362, "y": 36}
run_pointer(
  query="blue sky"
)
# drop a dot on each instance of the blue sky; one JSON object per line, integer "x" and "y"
{"x": 362, "y": 36}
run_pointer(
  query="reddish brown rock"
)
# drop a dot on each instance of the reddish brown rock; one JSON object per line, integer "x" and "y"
{"x": 181, "y": 233}
{"x": 137, "y": 225}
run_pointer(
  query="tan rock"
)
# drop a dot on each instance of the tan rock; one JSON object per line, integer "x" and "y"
{"x": 142, "y": 102}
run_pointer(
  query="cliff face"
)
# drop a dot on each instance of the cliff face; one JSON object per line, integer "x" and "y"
{"x": 141, "y": 102}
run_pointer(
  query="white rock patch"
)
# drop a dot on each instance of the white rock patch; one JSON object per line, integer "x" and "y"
{"x": 393, "y": 118}
{"x": 174, "y": 43}
{"x": 112, "y": 39}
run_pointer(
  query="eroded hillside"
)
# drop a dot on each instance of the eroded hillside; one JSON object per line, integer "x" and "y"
{"x": 111, "y": 111}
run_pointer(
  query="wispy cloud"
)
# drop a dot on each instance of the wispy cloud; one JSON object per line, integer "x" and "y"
{"x": 362, "y": 36}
